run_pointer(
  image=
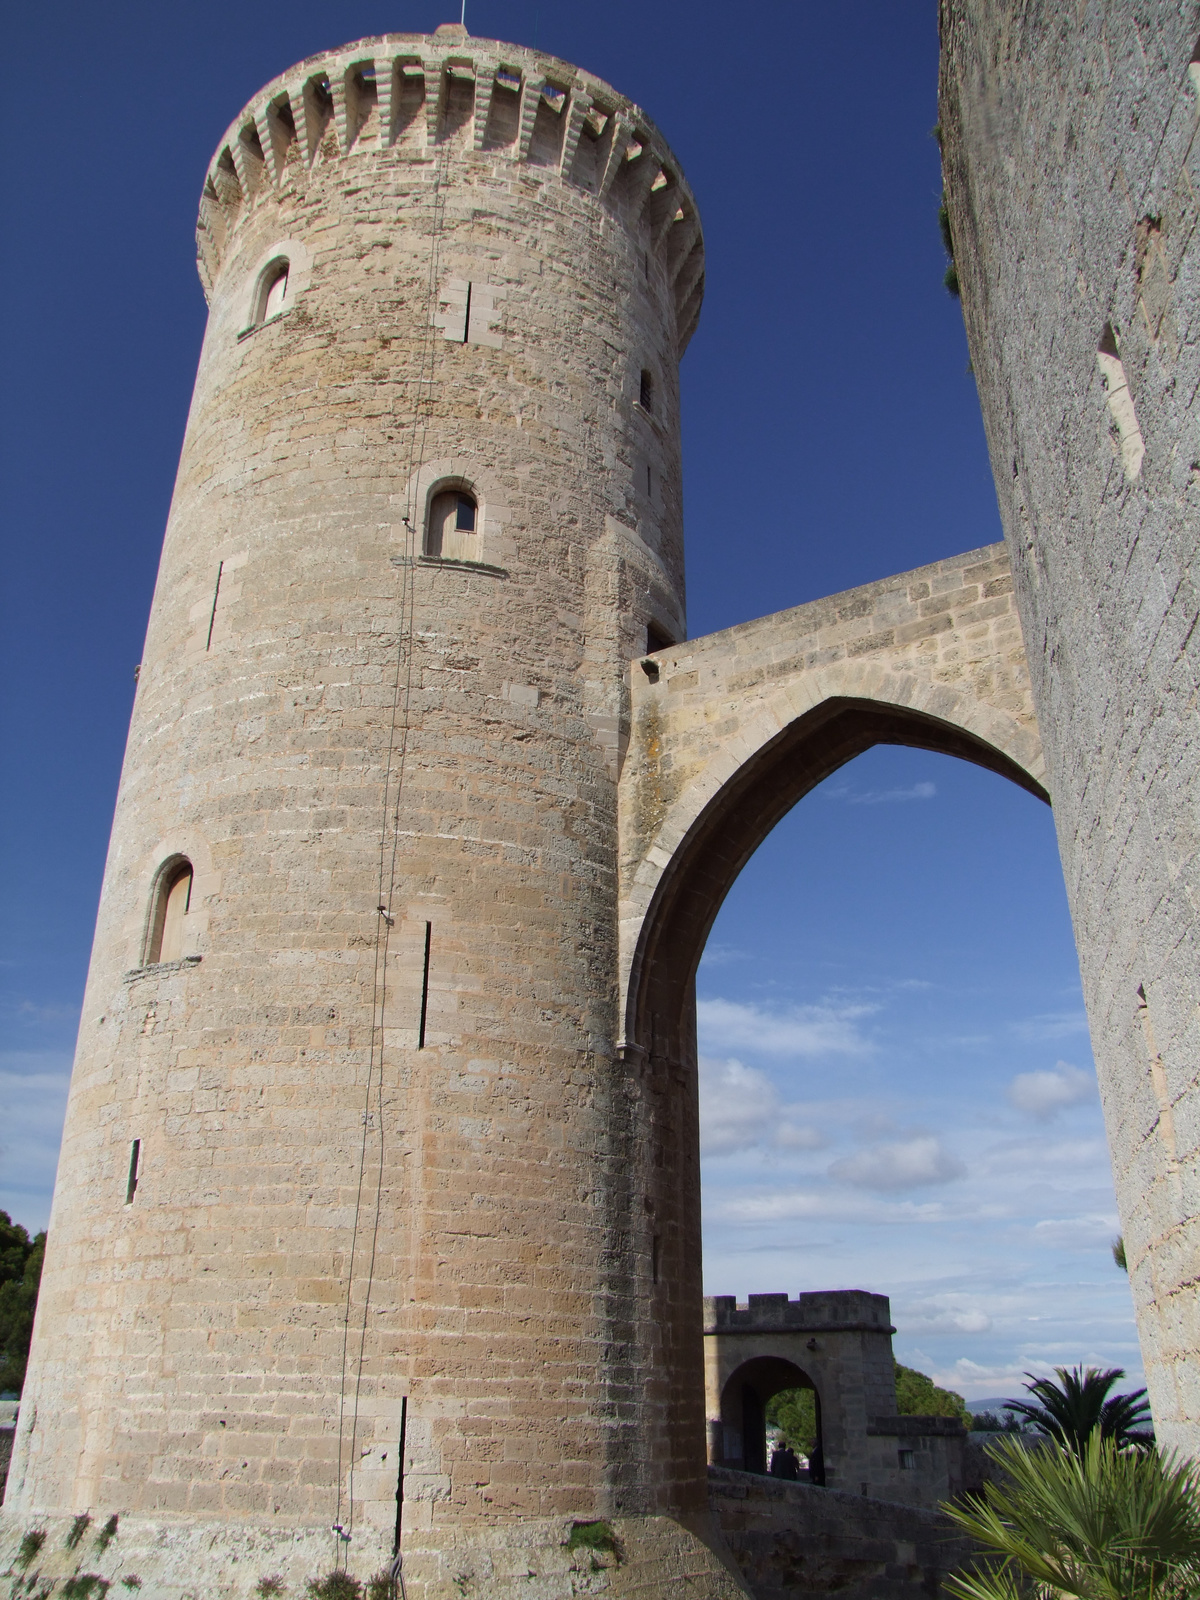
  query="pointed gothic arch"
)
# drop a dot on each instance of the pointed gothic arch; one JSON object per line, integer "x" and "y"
{"x": 739, "y": 726}
{"x": 691, "y": 880}
{"x": 723, "y": 740}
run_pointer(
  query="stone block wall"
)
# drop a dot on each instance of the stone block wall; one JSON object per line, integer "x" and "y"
{"x": 1072, "y": 171}
{"x": 729, "y": 731}
{"x": 790, "y": 1540}
{"x": 839, "y": 1344}
{"x": 386, "y": 1149}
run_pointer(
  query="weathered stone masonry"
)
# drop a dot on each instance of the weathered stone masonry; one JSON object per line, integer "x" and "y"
{"x": 1073, "y": 177}
{"x": 419, "y": 1078}
{"x": 731, "y": 730}
{"x": 317, "y": 694}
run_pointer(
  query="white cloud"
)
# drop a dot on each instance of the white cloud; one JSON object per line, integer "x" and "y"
{"x": 796, "y": 1136}
{"x": 740, "y": 1109}
{"x": 934, "y": 1317}
{"x": 1006, "y": 1381}
{"x": 974, "y": 1379}
{"x": 1051, "y": 1025}
{"x": 880, "y": 797}
{"x": 723, "y": 955}
{"x": 899, "y": 1164}
{"x": 886, "y": 797}
{"x": 792, "y": 1206}
{"x": 1077, "y": 1233}
{"x": 33, "y": 1095}
{"x": 797, "y": 1205}
{"x": 797, "y": 1031}
{"x": 1045, "y": 1158}
{"x": 737, "y": 1105}
{"x": 1045, "y": 1094}
{"x": 28, "y": 1012}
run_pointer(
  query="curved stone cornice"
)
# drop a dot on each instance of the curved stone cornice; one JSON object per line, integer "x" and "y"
{"x": 413, "y": 95}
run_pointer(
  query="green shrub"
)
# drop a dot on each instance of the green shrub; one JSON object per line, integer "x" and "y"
{"x": 335, "y": 1585}
{"x": 132, "y": 1581}
{"x": 83, "y": 1585}
{"x": 597, "y": 1537}
{"x": 794, "y": 1411}
{"x": 382, "y": 1586}
{"x": 107, "y": 1533}
{"x": 31, "y": 1543}
{"x": 1097, "y": 1523}
{"x": 266, "y": 1587}
{"x": 995, "y": 1422}
{"x": 79, "y": 1527}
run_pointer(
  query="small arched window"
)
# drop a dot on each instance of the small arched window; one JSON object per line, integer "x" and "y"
{"x": 646, "y": 391}
{"x": 452, "y": 533}
{"x": 173, "y": 901}
{"x": 274, "y": 299}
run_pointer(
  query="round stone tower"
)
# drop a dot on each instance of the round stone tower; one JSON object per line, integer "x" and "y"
{"x": 351, "y": 1153}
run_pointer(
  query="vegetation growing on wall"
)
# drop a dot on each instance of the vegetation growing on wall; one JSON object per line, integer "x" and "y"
{"x": 951, "y": 278}
{"x": 31, "y": 1543}
{"x": 335, "y": 1585}
{"x": 592, "y": 1536}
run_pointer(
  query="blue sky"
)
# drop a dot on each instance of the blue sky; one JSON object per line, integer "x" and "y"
{"x": 897, "y": 1088}
{"x": 893, "y": 974}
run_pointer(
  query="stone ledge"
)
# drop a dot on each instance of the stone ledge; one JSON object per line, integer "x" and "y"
{"x": 160, "y": 969}
{"x": 798, "y": 1327}
{"x": 917, "y": 1427}
{"x": 484, "y": 567}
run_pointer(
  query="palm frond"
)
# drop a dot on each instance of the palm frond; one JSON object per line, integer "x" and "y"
{"x": 1078, "y": 1405}
{"x": 1096, "y": 1523}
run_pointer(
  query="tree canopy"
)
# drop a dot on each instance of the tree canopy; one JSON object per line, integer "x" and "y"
{"x": 1078, "y": 1404}
{"x": 919, "y": 1396}
{"x": 794, "y": 1411}
{"x": 20, "y": 1275}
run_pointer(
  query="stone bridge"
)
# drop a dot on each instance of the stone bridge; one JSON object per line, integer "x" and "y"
{"x": 729, "y": 731}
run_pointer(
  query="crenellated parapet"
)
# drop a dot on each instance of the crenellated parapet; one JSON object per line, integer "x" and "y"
{"x": 416, "y": 97}
{"x": 825, "y": 1311}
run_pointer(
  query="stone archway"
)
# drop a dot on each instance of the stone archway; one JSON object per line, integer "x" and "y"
{"x": 726, "y": 734}
{"x": 744, "y": 1399}
{"x": 730, "y": 731}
